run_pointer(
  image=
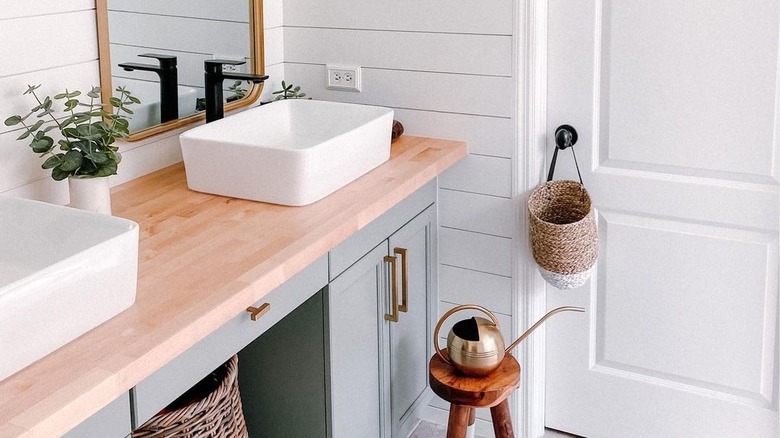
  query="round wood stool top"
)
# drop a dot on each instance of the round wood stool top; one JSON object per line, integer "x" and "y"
{"x": 486, "y": 391}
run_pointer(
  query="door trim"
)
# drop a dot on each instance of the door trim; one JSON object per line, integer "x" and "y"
{"x": 529, "y": 287}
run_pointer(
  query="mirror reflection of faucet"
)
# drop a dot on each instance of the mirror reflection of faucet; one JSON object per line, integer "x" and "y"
{"x": 167, "y": 71}
{"x": 214, "y": 75}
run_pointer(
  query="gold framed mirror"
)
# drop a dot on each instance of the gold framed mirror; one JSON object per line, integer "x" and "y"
{"x": 225, "y": 30}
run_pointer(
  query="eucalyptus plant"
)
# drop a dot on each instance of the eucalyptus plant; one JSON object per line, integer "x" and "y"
{"x": 88, "y": 131}
{"x": 289, "y": 91}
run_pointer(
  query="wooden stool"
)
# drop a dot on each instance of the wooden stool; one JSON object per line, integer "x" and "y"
{"x": 466, "y": 393}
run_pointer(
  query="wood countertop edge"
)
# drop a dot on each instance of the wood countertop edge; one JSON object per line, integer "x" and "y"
{"x": 70, "y": 402}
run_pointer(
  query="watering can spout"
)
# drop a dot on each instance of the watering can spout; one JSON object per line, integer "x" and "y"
{"x": 542, "y": 320}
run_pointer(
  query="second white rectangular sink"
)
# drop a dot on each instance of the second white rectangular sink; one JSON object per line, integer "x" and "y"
{"x": 62, "y": 273}
{"x": 290, "y": 152}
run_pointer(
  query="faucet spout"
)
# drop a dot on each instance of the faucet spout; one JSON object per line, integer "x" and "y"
{"x": 169, "y": 82}
{"x": 214, "y": 76}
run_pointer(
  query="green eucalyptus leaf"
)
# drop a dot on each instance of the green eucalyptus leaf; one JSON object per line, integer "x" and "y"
{"x": 35, "y": 126}
{"x": 64, "y": 145}
{"x": 107, "y": 169}
{"x": 45, "y": 113}
{"x": 73, "y": 94}
{"x": 70, "y": 132}
{"x": 87, "y": 168}
{"x": 57, "y": 174}
{"x": 71, "y": 161}
{"x": 61, "y": 95}
{"x": 13, "y": 120}
{"x": 42, "y": 145}
{"x": 81, "y": 118}
{"x": 31, "y": 89}
{"x": 127, "y": 110}
{"x": 115, "y": 102}
{"x": 24, "y": 135}
{"x": 134, "y": 99}
{"x": 52, "y": 161}
{"x": 98, "y": 158}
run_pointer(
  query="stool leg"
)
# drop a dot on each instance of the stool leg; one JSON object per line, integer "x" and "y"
{"x": 471, "y": 431}
{"x": 502, "y": 421}
{"x": 458, "y": 422}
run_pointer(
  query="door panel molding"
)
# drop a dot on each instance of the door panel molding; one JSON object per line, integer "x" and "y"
{"x": 651, "y": 143}
{"x": 749, "y": 362}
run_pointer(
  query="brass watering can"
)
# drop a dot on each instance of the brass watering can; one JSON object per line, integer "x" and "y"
{"x": 475, "y": 346}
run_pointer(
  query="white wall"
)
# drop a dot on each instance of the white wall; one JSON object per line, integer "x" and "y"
{"x": 447, "y": 68}
{"x": 36, "y": 51}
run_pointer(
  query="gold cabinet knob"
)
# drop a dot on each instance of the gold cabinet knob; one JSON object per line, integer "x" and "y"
{"x": 257, "y": 312}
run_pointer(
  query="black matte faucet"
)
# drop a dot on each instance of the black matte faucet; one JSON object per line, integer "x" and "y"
{"x": 169, "y": 83}
{"x": 214, "y": 76}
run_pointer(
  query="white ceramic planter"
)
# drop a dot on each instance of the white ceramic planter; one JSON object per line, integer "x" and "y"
{"x": 90, "y": 194}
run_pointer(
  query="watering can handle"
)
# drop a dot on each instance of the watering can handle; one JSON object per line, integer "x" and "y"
{"x": 447, "y": 315}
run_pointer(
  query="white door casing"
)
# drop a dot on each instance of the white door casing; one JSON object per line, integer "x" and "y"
{"x": 676, "y": 105}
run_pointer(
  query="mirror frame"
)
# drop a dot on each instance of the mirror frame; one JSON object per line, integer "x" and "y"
{"x": 257, "y": 67}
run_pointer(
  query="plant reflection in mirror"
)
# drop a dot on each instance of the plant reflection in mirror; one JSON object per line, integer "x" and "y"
{"x": 289, "y": 91}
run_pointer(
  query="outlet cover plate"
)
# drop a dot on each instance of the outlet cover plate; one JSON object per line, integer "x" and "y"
{"x": 344, "y": 77}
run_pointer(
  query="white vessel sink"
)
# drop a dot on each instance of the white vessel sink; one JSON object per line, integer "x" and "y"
{"x": 62, "y": 273}
{"x": 290, "y": 152}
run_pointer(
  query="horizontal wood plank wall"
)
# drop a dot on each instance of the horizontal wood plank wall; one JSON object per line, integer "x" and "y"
{"x": 33, "y": 56}
{"x": 72, "y": 62}
{"x": 273, "y": 36}
{"x": 446, "y": 67}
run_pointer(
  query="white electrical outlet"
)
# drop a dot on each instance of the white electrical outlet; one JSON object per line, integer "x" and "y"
{"x": 343, "y": 77}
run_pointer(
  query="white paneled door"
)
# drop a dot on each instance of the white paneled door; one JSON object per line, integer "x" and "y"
{"x": 676, "y": 105}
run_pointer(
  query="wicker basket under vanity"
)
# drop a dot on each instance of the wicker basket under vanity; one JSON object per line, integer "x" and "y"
{"x": 211, "y": 409}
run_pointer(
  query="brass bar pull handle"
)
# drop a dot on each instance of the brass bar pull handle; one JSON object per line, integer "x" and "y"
{"x": 401, "y": 252}
{"x": 257, "y": 312}
{"x": 393, "y": 315}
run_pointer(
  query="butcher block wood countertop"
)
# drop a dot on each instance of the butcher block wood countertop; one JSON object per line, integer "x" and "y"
{"x": 202, "y": 260}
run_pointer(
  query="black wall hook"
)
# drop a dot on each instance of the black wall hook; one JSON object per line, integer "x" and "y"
{"x": 565, "y": 136}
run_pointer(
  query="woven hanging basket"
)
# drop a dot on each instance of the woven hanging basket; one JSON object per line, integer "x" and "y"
{"x": 215, "y": 414}
{"x": 564, "y": 239}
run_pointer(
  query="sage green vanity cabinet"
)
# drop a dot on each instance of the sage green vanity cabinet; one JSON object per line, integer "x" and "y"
{"x": 331, "y": 358}
{"x": 378, "y": 365}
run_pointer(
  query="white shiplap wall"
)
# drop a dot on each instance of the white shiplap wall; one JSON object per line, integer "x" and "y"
{"x": 447, "y": 68}
{"x": 36, "y": 51}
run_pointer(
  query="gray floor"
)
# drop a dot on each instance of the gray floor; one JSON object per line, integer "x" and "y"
{"x": 427, "y": 429}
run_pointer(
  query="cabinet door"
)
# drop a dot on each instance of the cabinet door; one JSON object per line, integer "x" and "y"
{"x": 410, "y": 337}
{"x": 356, "y": 360}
